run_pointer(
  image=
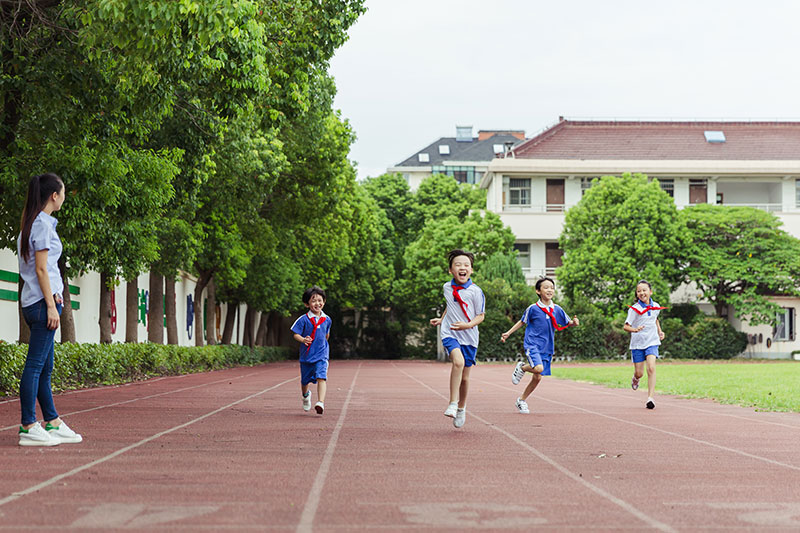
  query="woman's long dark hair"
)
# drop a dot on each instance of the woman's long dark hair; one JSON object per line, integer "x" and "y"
{"x": 40, "y": 188}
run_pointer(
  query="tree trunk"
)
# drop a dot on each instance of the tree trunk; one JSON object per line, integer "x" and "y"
{"x": 132, "y": 311}
{"x": 247, "y": 334}
{"x": 105, "y": 309}
{"x": 170, "y": 311}
{"x": 261, "y": 336}
{"x": 274, "y": 324}
{"x": 358, "y": 317}
{"x": 211, "y": 314}
{"x": 24, "y": 330}
{"x": 202, "y": 281}
{"x": 230, "y": 322}
{"x": 155, "y": 315}
{"x": 67, "y": 318}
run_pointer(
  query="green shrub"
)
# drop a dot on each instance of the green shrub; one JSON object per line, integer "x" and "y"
{"x": 714, "y": 338}
{"x": 86, "y": 365}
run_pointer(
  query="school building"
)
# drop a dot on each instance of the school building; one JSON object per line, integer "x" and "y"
{"x": 464, "y": 157}
{"x": 753, "y": 164}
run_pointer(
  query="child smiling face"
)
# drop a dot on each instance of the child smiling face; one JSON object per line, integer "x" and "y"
{"x": 643, "y": 292}
{"x": 546, "y": 291}
{"x": 461, "y": 269}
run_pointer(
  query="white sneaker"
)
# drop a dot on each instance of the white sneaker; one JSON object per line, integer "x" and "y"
{"x": 451, "y": 410}
{"x": 36, "y": 436}
{"x": 63, "y": 433}
{"x": 319, "y": 407}
{"x": 307, "y": 402}
{"x": 634, "y": 383}
{"x": 522, "y": 405}
{"x": 461, "y": 417}
{"x": 518, "y": 374}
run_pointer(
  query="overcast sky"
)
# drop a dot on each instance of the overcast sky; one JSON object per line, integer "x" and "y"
{"x": 414, "y": 69}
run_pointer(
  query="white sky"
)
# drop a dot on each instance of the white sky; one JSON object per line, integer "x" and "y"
{"x": 413, "y": 69}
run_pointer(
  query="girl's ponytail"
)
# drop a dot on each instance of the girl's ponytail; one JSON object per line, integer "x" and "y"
{"x": 40, "y": 188}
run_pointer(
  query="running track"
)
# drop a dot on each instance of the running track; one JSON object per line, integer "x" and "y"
{"x": 232, "y": 450}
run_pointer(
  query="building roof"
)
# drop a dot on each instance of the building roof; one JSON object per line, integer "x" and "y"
{"x": 652, "y": 140}
{"x": 477, "y": 149}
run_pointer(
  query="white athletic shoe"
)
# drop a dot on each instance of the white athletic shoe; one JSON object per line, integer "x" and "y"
{"x": 522, "y": 405}
{"x": 518, "y": 374}
{"x": 36, "y": 436}
{"x": 307, "y": 402}
{"x": 634, "y": 383}
{"x": 451, "y": 410}
{"x": 319, "y": 407}
{"x": 63, "y": 433}
{"x": 461, "y": 417}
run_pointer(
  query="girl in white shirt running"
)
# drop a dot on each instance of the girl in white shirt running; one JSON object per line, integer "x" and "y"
{"x": 646, "y": 336}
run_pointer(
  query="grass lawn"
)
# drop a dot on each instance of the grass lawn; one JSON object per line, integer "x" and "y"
{"x": 767, "y": 386}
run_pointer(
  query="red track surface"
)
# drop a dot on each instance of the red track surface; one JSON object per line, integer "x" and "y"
{"x": 233, "y": 450}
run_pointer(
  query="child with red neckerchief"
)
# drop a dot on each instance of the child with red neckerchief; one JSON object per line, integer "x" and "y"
{"x": 312, "y": 330}
{"x": 542, "y": 320}
{"x": 646, "y": 336}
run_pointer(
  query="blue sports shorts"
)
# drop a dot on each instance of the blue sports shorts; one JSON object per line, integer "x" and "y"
{"x": 311, "y": 372}
{"x": 640, "y": 356}
{"x": 469, "y": 352}
{"x": 535, "y": 358}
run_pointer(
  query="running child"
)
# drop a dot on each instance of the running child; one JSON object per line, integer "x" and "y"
{"x": 312, "y": 331}
{"x": 646, "y": 336}
{"x": 542, "y": 320}
{"x": 459, "y": 332}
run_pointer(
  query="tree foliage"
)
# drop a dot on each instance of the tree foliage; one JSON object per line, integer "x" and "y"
{"x": 624, "y": 229}
{"x": 739, "y": 256}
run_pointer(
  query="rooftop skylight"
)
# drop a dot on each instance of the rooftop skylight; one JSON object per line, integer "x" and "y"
{"x": 714, "y": 136}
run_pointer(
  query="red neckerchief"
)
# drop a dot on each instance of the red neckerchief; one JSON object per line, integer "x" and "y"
{"x": 458, "y": 298}
{"x": 552, "y": 316}
{"x": 314, "y": 331}
{"x": 648, "y": 308}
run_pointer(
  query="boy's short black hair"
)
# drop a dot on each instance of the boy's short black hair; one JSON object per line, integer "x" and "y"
{"x": 542, "y": 280}
{"x": 311, "y": 292}
{"x": 455, "y": 253}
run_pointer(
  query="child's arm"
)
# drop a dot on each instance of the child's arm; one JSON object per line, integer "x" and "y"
{"x": 575, "y": 321}
{"x": 437, "y": 321}
{"x": 660, "y": 332}
{"x": 466, "y": 325}
{"x": 630, "y": 329}
{"x": 303, "y": 340}
{"x": 508, "y": 333}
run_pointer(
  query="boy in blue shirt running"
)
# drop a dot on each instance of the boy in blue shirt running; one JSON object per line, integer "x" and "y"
{"x": 312, "y": 330}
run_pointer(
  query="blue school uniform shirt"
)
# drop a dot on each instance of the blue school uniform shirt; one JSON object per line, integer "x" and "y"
{"x": 43, "y": 237}
{"x": 319, "y": 349}
{"x": 539, "y": 331}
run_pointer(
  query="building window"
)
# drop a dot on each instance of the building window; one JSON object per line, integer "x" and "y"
{"x": 784, "y": 331}
{"x": 519, "y": 191}
{"x": 698, "y": 191}
{"x": 668, "y": 186}
{"x": 462, "y": 174}
{"x": 523, "y": 255}
{"x": 797, "y": 193}
{"x": 586, "y": 184}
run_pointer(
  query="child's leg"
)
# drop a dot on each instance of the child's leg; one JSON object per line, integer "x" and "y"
{"x": 456, "y": 372}
{"x": 304, "y": 388}
{"x": 322, "y": 387}
{"x": 651, "y": 375}
{"x": 536, "y": 377}
{"x": 638, "y": 369}
{"x": 464, "y": 388}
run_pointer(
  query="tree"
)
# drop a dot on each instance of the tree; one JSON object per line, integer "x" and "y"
{"x": 623, "y": 230}
{"x": 739, "y": 256}
{"x": 419, "y": 289}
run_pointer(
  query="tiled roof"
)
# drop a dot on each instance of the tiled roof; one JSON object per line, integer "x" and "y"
{"x": 474, "y": 150}
{"x": 607, "y": 140}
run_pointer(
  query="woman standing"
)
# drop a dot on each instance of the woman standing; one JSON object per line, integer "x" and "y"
{"x": 39, "y": 249}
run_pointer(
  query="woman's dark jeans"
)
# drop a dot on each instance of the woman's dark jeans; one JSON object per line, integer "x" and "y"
{"x": 35, "y": 381}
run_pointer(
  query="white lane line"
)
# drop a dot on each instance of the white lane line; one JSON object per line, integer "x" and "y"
{"x": 141, "y": 398}
{"x": 652, "y": 522}
{"x": 680, "y": 404}
{"x": 312, "y": 503}
{"x": 59, "y": 477}
{"x": 666, "y": 432}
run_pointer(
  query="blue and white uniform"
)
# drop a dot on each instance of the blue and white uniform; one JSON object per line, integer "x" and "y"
{"x": 313, "y": 358}
{"x": 539, "y": 340}
{"x": 472, "y": 304}
{"x": 645, "y": 342}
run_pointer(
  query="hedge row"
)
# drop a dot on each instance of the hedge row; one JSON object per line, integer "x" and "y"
{"x": 87, "y": 365}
